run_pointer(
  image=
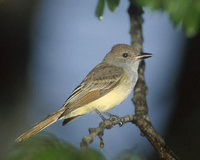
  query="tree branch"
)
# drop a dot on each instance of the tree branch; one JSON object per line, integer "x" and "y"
{"x": 106, "y": 124}
{"x": 141, "y": 118}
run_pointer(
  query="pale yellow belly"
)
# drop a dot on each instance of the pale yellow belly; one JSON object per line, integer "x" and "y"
{"x": 110, "y": 100}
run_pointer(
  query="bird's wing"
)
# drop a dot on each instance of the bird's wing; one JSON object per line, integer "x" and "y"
{"x": 102, "y": 79}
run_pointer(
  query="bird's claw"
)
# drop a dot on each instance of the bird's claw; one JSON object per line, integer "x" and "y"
{"x": 115, "y": 119}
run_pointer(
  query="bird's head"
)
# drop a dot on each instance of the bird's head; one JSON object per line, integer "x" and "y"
{"x": 125, "y": 56}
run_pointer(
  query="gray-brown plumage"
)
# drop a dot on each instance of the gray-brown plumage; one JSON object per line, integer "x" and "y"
{"x": 102, "y": 79}
{"x": 107, "y": 85}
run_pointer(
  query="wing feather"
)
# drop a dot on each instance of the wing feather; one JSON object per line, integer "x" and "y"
{"x": 103, "y": 78}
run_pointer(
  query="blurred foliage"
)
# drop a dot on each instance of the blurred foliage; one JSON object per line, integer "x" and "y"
{"x": 100, "y": 9}
{"x": 184, "y": 13}
{"x": 112, "y": 5}
{"x": 129, "y": 155}
{"x": 49, "y": 147}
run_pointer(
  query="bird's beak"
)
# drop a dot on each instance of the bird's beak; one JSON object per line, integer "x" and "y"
{"x": 142, "y": 56}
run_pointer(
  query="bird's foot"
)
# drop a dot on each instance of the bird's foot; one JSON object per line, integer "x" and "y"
{"x": 100, "y": 114}
{"x": 114, "y": 118}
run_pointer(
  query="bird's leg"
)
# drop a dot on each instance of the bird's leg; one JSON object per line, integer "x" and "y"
{"x": 114, "y": 117}
{"x": 100, "y": 114}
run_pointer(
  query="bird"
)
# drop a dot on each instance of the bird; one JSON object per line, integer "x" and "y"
{"x": 106, "y": 86}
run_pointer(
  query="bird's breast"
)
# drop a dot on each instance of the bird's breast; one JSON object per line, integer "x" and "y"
{"x": 109, "y": 100}
{"x": 113, "y": 98}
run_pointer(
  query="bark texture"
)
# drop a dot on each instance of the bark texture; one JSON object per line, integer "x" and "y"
{"x": 141, "y": 118}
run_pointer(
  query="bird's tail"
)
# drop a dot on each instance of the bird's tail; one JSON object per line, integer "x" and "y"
{"x": 41, "y": 125}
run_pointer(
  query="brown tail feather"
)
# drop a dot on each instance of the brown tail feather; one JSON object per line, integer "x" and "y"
{"x": 40, "y": 126}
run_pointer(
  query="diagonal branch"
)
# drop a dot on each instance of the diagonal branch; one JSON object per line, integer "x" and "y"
{"x": 141, "y": 118}
{"x": 106, "y": 124}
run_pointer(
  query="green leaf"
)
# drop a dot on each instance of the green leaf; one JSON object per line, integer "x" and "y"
{"x": 100, "y": 9}
{"x": 184, "y": 13}
{"x": 113, "y": 4}
{"x": 48, "y": 147}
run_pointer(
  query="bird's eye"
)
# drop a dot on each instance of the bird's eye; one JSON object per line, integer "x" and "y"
{"x": 125, "y": 55}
